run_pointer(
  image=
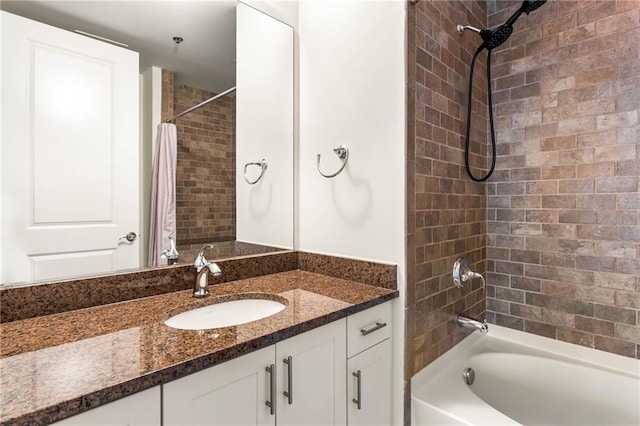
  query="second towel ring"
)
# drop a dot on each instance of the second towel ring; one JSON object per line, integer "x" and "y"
{"x": 343, "y": 153}
{"x": 263, "y": 167}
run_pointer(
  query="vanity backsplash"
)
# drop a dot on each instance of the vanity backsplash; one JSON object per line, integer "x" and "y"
{"x": 33, "y": 300}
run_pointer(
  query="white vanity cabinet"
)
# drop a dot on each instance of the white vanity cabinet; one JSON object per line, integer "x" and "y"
{"x": 369, "y": 367}
{"x": 337, "y": 374}
{"x": 140, "y": 409}
{"x": 307, "y": 390}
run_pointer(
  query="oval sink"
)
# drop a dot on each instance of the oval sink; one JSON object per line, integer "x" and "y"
{"x": 225, "y": 314}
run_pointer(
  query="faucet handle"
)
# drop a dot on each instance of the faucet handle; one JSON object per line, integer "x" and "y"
{"x": 215, "y": 269}
{"x": 201, "y": 261}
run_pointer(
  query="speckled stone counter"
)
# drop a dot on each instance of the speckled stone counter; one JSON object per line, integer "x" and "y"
{"x": 55, "y": 366}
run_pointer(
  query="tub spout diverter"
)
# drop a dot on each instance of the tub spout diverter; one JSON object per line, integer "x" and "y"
{"x": 473, "y": 324}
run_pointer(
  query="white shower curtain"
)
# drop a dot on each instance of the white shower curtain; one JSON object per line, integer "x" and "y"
{"x": 162, "y": 223}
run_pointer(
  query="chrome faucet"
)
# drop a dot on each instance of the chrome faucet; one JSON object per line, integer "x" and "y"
{"x": 473, "y": 324}
{"x": 171, "y": 254}
{"x": 203, "y": 266}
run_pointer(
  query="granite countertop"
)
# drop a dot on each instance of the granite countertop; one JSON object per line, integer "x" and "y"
{"x": 55, "y": 366}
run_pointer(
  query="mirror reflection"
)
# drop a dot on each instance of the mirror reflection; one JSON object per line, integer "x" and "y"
{"x": 81, "y": 118}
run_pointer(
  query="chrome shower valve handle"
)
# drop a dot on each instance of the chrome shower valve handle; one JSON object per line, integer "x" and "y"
{"x": 462, "y": 273}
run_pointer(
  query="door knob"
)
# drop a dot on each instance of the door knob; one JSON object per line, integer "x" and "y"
{"x": 131, "y": 237}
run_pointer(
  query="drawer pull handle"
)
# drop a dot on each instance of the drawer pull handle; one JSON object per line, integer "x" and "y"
{"x": 358, "y": 399}
{"x": 289, "y": 392}
{"x": 378, "y": 326}
{"x": 272, "y": 389}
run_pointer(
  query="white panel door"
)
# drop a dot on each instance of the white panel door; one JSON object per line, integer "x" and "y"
{"x": 233, "y": 393}
{"x": 70, "y": 183}
{"x": 314, "y": 376}
{"x": 264, "y": 128}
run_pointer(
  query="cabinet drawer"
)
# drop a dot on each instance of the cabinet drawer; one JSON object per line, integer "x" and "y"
{"x": 367, "y": 328}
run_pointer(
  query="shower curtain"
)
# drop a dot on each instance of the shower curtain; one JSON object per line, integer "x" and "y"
{"x": 162, "y": 223}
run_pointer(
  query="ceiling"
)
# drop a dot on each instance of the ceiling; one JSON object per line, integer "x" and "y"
{"x": 205, "y": 59}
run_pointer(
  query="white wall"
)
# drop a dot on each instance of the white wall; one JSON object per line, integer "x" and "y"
{"x": 1, "y": 145}
{"x": 352, "y": 92}
{"x": 283, "y": 10}
{"x": 264, "y": 128}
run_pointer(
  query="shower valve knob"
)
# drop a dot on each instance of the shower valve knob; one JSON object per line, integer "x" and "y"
{"x": 460, "y": 271}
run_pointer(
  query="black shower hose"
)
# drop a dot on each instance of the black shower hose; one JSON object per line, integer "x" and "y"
{"x": 493, "y": 134}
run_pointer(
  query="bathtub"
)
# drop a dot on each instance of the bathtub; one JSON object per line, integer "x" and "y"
{"x": 521, "y": 378}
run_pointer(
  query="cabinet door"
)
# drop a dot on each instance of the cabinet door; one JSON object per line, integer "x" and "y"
{"x": 374, "y": 391}
{"x": 141, "y": 409}
{"x": 313, "y": 377}
{"x": 233, "y": 393}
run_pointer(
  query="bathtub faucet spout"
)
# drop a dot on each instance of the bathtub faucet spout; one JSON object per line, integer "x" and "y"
{"x": 473, "y": 324}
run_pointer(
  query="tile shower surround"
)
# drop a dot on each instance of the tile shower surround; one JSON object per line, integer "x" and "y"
{"x": 563, "y": 224}
{"x": 561, "y": 211}
{"x": 446, "y": 212}
{"x": 205, "y": 176}
{"x": 557, "y": 226}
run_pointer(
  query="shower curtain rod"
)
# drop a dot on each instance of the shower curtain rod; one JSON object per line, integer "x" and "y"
{"x": 203, "y": 103}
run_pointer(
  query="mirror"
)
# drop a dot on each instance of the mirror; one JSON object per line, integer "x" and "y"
{"x": 254, "y": 123}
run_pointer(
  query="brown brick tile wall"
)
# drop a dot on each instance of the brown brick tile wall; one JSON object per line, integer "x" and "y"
{"x": 205, "y": 178}
{"x": 167, "y": 109}
{"x": 446, "y": 212}
{"x": 563, "y": 255}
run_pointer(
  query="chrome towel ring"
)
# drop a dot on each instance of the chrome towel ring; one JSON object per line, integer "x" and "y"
{"x": 263, "y": 167}
{"x": 343, "y": 153}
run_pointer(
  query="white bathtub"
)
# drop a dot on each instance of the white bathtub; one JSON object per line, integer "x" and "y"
{"x": 522, "y": 378}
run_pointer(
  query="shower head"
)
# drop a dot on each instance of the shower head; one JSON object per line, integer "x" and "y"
{"x": 494, "y": 38}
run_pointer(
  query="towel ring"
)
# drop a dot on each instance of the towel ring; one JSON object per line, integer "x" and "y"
{"x": 263, "y": 167}
{"x": 343, "y": 153}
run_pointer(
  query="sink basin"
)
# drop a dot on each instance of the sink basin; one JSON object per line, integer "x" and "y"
{"x": 225, "y": 314}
